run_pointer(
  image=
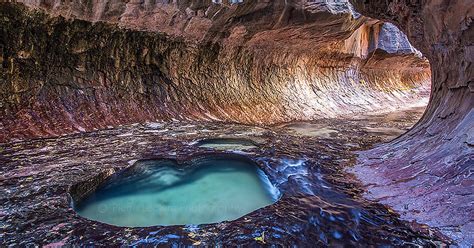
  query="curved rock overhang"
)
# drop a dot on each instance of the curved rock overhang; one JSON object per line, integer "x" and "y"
{"x": 427, "y": 173}
{"x": 260, "y": 62}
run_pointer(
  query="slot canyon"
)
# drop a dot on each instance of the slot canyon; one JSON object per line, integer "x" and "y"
{"x": 237, "y": 123}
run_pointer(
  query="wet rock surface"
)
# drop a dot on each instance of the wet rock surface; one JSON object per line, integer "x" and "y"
{"x": 233, "y": 63}
{"x": 320, "y": 204}
{"x": 427, "y": 174}
{"x": 227, "y": 144}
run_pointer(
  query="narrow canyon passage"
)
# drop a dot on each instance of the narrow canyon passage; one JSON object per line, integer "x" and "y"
{"x": 350, "y": 135}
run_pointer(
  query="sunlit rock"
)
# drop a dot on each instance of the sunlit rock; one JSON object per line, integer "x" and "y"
{"x": 87, "y": 88}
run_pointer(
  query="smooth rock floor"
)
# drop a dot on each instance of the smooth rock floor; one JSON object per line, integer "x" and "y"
{"x": 320, "y": 204}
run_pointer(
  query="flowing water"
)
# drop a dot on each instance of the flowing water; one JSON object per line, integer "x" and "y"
{"x": 160, "y": 192}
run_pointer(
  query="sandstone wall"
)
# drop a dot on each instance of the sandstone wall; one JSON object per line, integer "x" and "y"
{"x": 67, "y": 75}
{"x": 427, "y": 173}
{"x": 260, "y": 62}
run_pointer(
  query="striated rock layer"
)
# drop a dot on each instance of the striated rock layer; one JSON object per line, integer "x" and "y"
{"x": 253, "y": 63}
{"x": 427, "y": 174}
{"x": 261, "y": 62}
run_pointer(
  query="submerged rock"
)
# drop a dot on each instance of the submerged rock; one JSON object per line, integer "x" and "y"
{"x": 91, "y": 65}
{"x": 319, "y": 203}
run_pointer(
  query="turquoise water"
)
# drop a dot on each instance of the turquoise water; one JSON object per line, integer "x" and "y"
{"x": 208, "y": 190}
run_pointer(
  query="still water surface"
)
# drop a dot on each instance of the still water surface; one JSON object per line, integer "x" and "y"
{"x": 159, "y": 192}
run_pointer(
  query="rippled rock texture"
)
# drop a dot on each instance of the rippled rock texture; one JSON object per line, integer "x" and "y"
{"x": 427, "y": 174}
{"x": 260, "y": 62}
{"x": 319, "y": 205}
{"x": 65, "y": 76}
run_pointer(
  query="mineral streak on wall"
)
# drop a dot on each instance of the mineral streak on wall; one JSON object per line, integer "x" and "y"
{"x": 256, "y": 63}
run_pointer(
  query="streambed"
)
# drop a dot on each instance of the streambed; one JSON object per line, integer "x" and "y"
{"x": 319, "y": 204}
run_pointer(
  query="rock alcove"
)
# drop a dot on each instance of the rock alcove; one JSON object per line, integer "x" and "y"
{"x": 88, "y": 86}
